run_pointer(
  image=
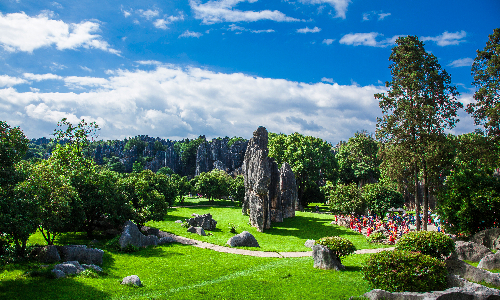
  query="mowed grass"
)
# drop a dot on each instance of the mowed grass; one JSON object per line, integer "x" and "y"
{"x": 290, "y": 235}
{"x": 177, "y": 271}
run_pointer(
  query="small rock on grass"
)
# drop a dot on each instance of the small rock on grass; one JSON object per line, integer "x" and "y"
{"x": 132, "y": 280}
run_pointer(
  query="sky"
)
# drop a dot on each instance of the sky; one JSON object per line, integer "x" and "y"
{"x": 184, "y": 68}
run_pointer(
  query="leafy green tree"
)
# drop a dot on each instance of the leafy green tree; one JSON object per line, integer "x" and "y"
{"x": 347, "y": 199}
{"x": 166, "y": 186}
{"x": 187, "y": 150}
{"x": 311, "y": 158}
{"x": 214, "y": 184}
{"x": 380, "y": 198}
{"x": 420, "y": 104}
{"x": 235, "y": 139}
{"x": 114, "y": 164}
{"x": 182, "y": 185}
{"x": 137, "y": 167}
{"x": 165, "y": 171}
{"x": 79, "y": 135}
{"x": 136, "y": 142}
{"x": 358, "y": 161}
{"x": 486, "y": 71}
{"x": 237, "y": 189}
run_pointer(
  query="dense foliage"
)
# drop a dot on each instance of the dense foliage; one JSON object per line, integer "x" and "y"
{"x": 379, "y": 198}
{"x": 337, "y": 245}
{"x": 346, "y": 199}
{"x": 432, "y": 243}
{"x": 403, "y": 271}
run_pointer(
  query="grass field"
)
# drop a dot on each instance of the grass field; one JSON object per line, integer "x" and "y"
{"x": 176, "y": 271}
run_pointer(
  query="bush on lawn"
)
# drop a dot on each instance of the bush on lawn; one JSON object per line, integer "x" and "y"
{"x": 338, "y": 245}
{"x": 404, "y": 271}
{"x": 435, "y": 244}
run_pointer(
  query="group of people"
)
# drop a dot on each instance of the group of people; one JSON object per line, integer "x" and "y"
{"x": 394, "y": 225}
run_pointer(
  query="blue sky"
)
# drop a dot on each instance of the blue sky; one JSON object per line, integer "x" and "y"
{"x": 177, "y": 69}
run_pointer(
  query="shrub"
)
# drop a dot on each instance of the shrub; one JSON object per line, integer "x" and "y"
{"x": 380, "y": 198}
{"x": 338, "y": 245}
{"x": 346, "y": 199}
{"x": 376, "y": 237}
{"x": 435, "y": 244}
{"x": 404, "y": 271}
{"x": 232, "y": 227}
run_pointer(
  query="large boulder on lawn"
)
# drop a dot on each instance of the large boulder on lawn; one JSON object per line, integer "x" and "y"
{"x": 486, "y": 237}
{"x": 471, "y": 251}
{"x": 48, "y": 254}
{"x": 132, "y": 280}
{"x": 197, "y": 230}
{"x": 205, "y": 221}
{"x": 67, "y": 268}
{"x": 490, "y": 262}
{"x": 131, "y": 235}
{"x": 81, "y": 253}
{"x": 244, "y": 239}
{"x": 326, "y": 259}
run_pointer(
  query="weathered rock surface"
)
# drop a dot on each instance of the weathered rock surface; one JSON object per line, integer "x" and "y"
{"x": 468, "y": 272}
{"x": 244, "y": 239}
{"x": 217, "y": 154}
{"x": 270, "y": 193}
{"x": 325, "y": 259}
{"x": 205, "y": 221}
{"x": 93, "y": 267}
{"x": 471, "y": 251}
{"x": 133, "y": 236}
{"x": 67, "y": 268}
{"x": 486, "y": 237}
{"x": 81, "y": 253}
{"x": 132, "y": 280}
{"x": 490, "y": 262}
{"x": 48, "y": 254}
{"x": 197, "y": 230}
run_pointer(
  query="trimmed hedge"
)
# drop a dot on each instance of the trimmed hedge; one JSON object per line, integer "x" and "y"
{"x": 404, "y": 271}
{"x": 338, "y": 245}
{"x": 435, "y": 244}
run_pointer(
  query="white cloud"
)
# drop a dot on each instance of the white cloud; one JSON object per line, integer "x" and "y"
{"x": 188, "y": 33}
{"x": 174, "y": 102}
{"x": 40, "y": 77}
{"x": 330, "y": 80}
{"x": 447, "y": 38}
{"x": 8, "y": 81}
{"x": 382, "y": 16}
{"x": 162, "y": 23}
{"x": 240, "y": 29}
{"x": 367, "y": 39}
{"x": 262, "y": 31}
{"x": 86, "y": 69}
{"x": 328, "y": 41}
{"x": 223, "y": 11}
{"x": 20, "y": 32}
{"x": 149, "y": 14}
{"x": 340, "y": 6}
{"x": 367, "y": 16}
{"x": 307, "y": 30}
{"x": 57, "y": 5}
{"x": 462, "y": 62}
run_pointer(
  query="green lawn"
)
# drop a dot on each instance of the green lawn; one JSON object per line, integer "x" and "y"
{"x": 287, "y": 236}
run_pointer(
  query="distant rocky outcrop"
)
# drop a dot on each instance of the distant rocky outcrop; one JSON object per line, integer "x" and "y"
{"x": 270, "y": 193}
{"x": 217, "y": 154}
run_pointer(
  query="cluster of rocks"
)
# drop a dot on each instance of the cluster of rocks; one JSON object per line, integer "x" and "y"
{"x": 51, "y": 254}
{"x": 131, "y": 235}
{"x": 217, "y": 154}
{"x": 199, "y": 223}
{"x": 72, "y": 267}
{"x": 270, "y": 193}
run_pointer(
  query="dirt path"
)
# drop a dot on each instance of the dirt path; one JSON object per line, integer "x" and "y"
{"x": 204, "y": 245}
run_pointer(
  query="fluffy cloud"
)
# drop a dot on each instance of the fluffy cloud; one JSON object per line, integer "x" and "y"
{"x": 20, "y": 32}
{"x": 447, "y": 38}
{"x": 340, "y": 6}
{"x": 162, "y": 23}
{"x": 188, "y": 33}
{"x": 8, "y": 81}
{"x": 328, "y": 41}
{"x": 40, "y": 77}
{"x": 367, "y": 39}
{"x": 307, "y": 30}
{"x": 462, "y": 62}
{"x": 223, "y": 11}
{"x": 240, "y": 29}
{"x": 379, "y": 15}
{"x": 149, "y": 14}
{"x": 174, "y": 102}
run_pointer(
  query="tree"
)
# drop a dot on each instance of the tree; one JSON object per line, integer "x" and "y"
{"x": 358, "y": 161}
{"x": 187, "y": 150}
{"x": 237, "y": 189}
{"x": 380, "y": 198}
{"x": 182, "y": 185}
{"x": 420, "y": 104}
{"x": 310, "y": 158}
{"x": 486, "y": 72}
{"x": 214, "y": 184}
{"x": 346, "y": 199}
{"x": 165, "y": 171}
{"x": 77, "y": 135}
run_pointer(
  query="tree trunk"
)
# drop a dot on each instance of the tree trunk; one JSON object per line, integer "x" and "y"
{"x": 426, "y": 199}
{"x": 417, "y": 204}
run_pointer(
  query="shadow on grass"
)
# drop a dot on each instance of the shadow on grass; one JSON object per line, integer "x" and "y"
{"x": 308, "y": 228}
{"x": 44, "y": 288}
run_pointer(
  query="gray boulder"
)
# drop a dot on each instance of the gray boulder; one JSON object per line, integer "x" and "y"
{"x": 132, "y": 280}
{"x": 325, "y": 259}
{"x": 244, "y": 239}
{"x": 48, "y": 254}
{"x": 133, "y": 236}
{"x": 471, "y": 251}
{"x": 197, "y": 230}
{"x": 166, "y": 240}
{"x": 468, "y": 272}
{"x": 67, "y": 268}
{"x": 486, "y": 237}
{"x": 309, "y": 243}
{"x": 490, "y": 262}
{"x": 58, "y": 273}
{"x": 205, "y": 221}
{"x": 93, "y": 267}
{"x": 81, "y": 253}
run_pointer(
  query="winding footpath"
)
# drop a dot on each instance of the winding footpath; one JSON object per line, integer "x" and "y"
{"x": 204, "y": 245}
